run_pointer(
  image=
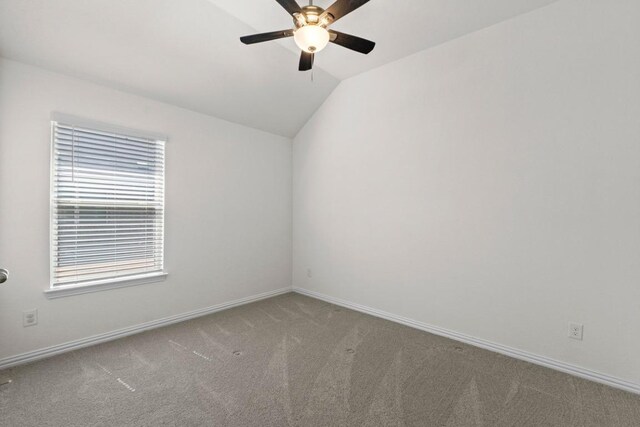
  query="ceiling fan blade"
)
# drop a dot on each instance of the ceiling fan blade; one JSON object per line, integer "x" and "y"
{"x": 343, "y": 7}
{"x": 306, "y": 61}
{"x": 351, "y": 42}
{"x": 290, "y": 6}
{"x": 265, "y": 37}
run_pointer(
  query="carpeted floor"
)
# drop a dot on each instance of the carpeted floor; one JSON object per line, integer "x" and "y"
{"x": 294, "y": 360}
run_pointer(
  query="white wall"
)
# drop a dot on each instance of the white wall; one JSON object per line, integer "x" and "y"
{"x": 490, "y": 186}
{"x": 228, "y": 210}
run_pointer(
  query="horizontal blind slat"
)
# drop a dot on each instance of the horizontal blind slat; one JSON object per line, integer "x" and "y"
{"x": 97, "y": 259}
{"x": 101, "y": 250}
{"x": 61, "y": 127}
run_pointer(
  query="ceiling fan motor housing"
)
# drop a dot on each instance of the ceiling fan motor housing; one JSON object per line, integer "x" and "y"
{"x": 309, "y": 15}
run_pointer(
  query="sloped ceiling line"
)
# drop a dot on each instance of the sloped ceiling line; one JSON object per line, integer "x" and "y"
{"x": 187, "y": 53}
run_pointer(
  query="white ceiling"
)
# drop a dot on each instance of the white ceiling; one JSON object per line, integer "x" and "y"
{"x": 184, "y": 52}
{"x": 188, "y": 52}
{"x": 399, "y": 28}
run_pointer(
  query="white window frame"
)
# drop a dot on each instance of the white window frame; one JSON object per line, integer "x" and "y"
{"x": 57, "y": 291}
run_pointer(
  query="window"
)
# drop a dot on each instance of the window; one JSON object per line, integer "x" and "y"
{"x": 107, "y": 207}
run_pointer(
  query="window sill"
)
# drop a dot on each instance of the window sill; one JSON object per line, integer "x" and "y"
{"x": 103, "y": 285}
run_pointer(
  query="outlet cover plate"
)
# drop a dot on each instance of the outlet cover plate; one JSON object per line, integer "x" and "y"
{"x": 576, "y": 331}
{"x": 30, "y": 317}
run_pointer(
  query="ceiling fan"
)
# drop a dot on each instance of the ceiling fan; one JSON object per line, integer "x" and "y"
{"x": 310, "y": 29}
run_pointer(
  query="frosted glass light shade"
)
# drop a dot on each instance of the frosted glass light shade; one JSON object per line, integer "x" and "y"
{"x": 311, "y": 38}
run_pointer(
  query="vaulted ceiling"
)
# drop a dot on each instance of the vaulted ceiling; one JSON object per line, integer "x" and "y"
{"x": 188, "y": 52}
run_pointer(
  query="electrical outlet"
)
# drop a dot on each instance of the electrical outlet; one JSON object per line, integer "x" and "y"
{"x": 30, "y": 317}
{"x": 575, "y": 331}
{"x": 309, "y": 275}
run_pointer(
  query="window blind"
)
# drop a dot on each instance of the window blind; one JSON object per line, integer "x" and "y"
{"x": 107, "y": 206}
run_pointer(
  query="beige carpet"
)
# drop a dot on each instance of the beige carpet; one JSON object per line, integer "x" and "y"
{"x": 294, "y": 360}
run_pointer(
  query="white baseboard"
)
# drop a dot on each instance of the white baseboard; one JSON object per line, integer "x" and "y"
{"x": 487, "y": 345}
{"x": 478, "y": 342}
{"x": 42, "y": 353}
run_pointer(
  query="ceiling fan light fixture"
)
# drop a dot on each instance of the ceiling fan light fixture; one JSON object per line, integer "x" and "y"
{"x": 311, "y": 38}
